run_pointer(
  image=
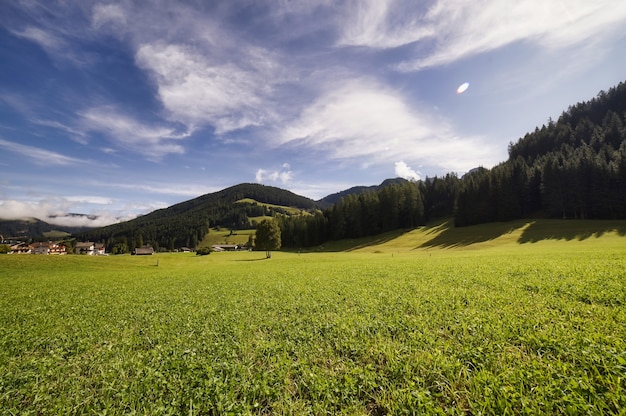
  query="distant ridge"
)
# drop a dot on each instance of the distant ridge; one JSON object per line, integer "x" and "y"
{"x": 356, "y": 190}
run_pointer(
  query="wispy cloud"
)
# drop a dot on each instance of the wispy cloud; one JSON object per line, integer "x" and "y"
{"x": 197, "y": 90}
{"x": 55, "y": 45}
{"x": 450, "y": 30}
{"x": 154, "y": 141}
{"x": 38, "y": 155}
{"x": 108, "y": 14}
{"x": 48, "y": 41}
{"x": 360, "y": 119}
{"x": 174, "y": 188}
{"x": 460, "y": 28}
{"x": 383, "y": 24}
{"x": 76, "y": 134}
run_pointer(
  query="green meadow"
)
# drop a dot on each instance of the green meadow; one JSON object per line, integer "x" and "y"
{"x": 508, "y": 318}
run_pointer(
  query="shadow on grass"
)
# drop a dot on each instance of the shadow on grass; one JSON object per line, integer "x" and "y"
{"x": 263, "y": 258}
{"x": 357, "y": 243}
{"x": 449, "y": 236}
{"x": 570, "y": 230}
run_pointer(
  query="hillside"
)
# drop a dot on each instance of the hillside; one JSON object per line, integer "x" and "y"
{"x": 441, "y": 237}
{"x": 187, "y": 223}
{"x": 332, "y": 199}
{"x": 33, "y": 228}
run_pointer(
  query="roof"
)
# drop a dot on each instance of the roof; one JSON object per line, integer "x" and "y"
{"x": 85, "y": 244}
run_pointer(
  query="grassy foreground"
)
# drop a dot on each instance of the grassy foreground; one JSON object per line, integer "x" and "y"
{"x": 501, "y": 319}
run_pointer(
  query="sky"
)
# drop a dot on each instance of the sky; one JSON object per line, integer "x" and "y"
{"x": 115, "y": 109}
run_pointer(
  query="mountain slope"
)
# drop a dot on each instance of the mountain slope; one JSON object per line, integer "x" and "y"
{"x": 186, "y": 223}
{"x": 332, "y": 199}
{"x": 33, "y": 228}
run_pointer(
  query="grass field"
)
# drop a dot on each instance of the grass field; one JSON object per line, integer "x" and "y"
{"x": 515, "y": 318}
{"x": 225, "y": 237}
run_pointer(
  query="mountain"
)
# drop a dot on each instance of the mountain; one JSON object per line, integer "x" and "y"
{"x": 33, "y": 228}
{"x": 332, "y": 199}
{"x": 186, "y": 223}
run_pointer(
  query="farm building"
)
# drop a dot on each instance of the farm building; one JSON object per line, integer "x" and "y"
{"x": 144, "y": 251}
{"x": 21, "y": 248}
{"x": 48, "y": 248}
{"x": 90, "y": 249}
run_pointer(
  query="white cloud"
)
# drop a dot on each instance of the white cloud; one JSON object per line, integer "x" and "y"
{"x": 404, "y": 171}
{"x": 153, "y": 141}
{"x": 90, "y": 199}
{"x": 284, "y": 176}
{"x": 38, "y": 155}
{"x": 360, "y": 119}
{"x": 54, "y": 210}
{"x": 198, "y": 90}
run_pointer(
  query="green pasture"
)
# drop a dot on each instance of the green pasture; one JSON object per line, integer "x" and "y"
{"x": 290, "y": 210}
{"x": 226, "y": 237}
{"x": 514, "y": 318}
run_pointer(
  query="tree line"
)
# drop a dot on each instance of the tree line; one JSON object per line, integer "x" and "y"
{"x": 574, "y": 168}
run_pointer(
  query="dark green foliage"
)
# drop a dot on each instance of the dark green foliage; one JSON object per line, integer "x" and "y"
{"x": 32, "y": 229}
{"x": 203, "y": 251}
{"x": 332, "y": 199}
{"x": 268, "y": 236}
{"x": 572, "y": 168}
{"x": 398, "y": 205}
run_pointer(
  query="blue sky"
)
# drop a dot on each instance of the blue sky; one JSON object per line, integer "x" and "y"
{"x": 119, "y": 108}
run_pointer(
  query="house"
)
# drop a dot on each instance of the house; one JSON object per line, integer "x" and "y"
{"x": 185, "y": 250}
{"x": 48, "y": 248}
{"x": 146, "y": 250}
{"x": 21, "y": 248}
{"x": 99, "y": 249}
{"x": 86, "y": 247}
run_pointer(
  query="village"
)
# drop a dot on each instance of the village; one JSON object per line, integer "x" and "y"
{"x": 55, "y": 248}
{"x": 92, "y": 249}
{"x": 59, "y": 248}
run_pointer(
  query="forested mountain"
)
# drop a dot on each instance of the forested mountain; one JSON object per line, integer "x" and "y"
{"x": 332, "y": 199}
{"x": 186, "y": 223}
{"x": 32, "y": 229}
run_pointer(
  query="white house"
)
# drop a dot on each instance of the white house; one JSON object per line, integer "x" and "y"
{"x": 86, "y": 247}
